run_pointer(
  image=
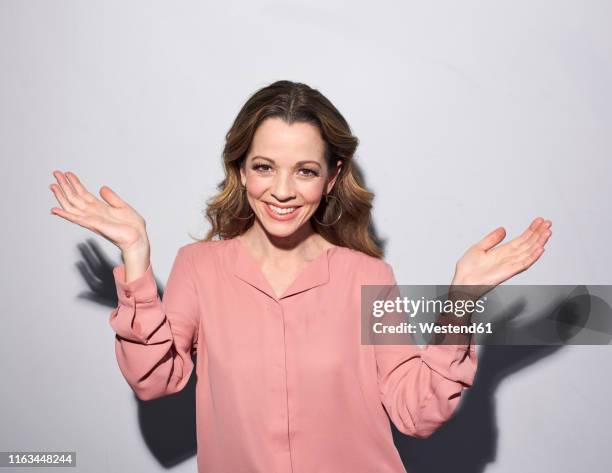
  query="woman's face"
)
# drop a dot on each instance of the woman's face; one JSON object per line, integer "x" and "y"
{"x": 286, "y": 175}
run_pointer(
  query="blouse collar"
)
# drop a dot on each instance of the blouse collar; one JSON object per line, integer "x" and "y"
{"x": 315, "y": 273}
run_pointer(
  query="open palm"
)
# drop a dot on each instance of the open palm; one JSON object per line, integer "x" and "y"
{"x": 112, "y": 218}
{"x": 485, "y": 264}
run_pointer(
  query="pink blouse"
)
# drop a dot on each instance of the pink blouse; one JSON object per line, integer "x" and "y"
{"x": 283, "y": 383}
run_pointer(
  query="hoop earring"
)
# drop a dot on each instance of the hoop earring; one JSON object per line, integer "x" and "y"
{"x": 326, "y": 204}
{"x": 243, "y": 189}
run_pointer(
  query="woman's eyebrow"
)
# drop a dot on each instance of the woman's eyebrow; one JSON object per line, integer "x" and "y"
{"x": 299, "y": 163}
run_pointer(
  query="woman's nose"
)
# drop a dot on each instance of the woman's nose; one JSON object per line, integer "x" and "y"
{"x": 283, "y": 187}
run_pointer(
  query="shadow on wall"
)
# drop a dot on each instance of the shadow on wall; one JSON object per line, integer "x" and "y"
{"x": 466, "y": 443}
{"x": 167, "y": 424}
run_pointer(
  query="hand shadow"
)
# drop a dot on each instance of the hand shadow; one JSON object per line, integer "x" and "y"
{"x": 467, "y": 442}
{"x": 167, "y": 424}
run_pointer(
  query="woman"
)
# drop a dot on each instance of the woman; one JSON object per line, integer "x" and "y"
{"x": 270, "y": 301}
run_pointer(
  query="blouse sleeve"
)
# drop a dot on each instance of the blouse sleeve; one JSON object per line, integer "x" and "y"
{"x": 420, "y": 387}
{"x": 154, "y": 339}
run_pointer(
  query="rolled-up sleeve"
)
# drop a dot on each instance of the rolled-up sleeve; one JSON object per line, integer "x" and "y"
{"x": 155, "y": 338}
{"x": 420, "y": 388}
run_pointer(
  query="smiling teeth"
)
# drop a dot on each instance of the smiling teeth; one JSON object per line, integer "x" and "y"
{"x": 281, "y": 211}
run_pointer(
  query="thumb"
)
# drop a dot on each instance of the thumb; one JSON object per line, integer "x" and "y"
{"x": 492, "y": 239}
{"x": 112, "y": 197}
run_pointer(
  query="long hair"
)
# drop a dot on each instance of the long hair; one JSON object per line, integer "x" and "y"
{"x": 295, "y": 102}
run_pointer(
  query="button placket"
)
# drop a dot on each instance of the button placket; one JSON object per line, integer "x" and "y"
{"x": 288, "y": 424}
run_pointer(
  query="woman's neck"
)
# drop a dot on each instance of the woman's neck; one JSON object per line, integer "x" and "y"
{"x": 304, "y": 244}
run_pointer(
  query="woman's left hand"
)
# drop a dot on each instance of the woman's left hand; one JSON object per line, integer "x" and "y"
{"x": 487, "y": 265}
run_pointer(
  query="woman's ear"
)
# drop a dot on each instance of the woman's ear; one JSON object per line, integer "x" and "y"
{"x": 243, "y": 174}
{"x": 335, "y": 175}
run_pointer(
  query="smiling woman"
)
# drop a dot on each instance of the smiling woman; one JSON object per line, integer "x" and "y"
{"x": 290, "y": 148}
{"x": 282, "y": 189}
{"x": 271, "y": 302}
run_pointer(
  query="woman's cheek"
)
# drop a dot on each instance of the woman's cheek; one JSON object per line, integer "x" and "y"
{"x": 256, "y": 186}
{"x": 311, "y": 192}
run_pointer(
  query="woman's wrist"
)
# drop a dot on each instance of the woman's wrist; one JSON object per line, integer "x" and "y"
{"x": 136, "y": 261}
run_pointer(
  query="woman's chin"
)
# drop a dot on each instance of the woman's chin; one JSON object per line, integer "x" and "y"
{"x": 279, "y": 228}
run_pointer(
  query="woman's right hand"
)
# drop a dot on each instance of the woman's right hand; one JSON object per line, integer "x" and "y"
{"x": 113, "y": 218}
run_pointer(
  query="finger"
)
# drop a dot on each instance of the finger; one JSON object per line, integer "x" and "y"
{"x": 541, "y": 232}
{"x": 528, "y": 231}
{"x": 89, "y": 223}
{"x": 531, "y": 258}
{"x": 492, "y": 239}
{"x": 64, "y": 184}
{"x": 534, "y": 237}
{"x": 544, "y": 237}
{"x": 69, "y": 192}
{"x": 529, "y": 252}
{"x": 61, "y": 198}
{"x": 78, "y": 187}
{"x": 537, "y": 245}
{"x": 71, "y": 217}
{"x": 533, "y": 226}
{"x": 112, "y": 198}
{"x": 534, "y": 223}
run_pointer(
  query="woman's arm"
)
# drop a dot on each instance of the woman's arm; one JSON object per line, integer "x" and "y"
{"x": 420, "y": 388}
{"x": 153, "y": 340}
{"x": 155, "y": 337}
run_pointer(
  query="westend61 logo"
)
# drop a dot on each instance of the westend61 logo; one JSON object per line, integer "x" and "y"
{"x": 412, "y": 307}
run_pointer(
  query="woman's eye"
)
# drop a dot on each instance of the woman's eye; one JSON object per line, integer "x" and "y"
{"x": 261, "y": 167}
{"x": 309, "y": 172}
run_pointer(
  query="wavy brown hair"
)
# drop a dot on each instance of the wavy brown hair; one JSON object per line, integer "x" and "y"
{"x": 293, "y": 102}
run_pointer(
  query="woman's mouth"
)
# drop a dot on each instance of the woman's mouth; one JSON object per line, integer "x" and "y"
{"x": 281, "y": 213}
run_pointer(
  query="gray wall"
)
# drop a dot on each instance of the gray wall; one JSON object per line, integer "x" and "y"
{"x": 471, "y": 115}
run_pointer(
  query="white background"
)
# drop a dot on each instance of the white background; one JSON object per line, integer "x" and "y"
{"x": 470, "y": 115}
